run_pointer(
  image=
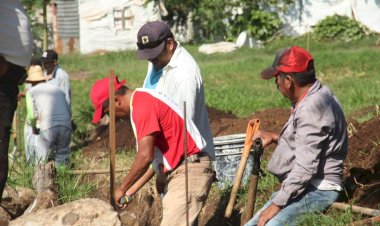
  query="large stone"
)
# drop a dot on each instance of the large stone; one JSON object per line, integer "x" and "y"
{"x": 78, "y": 213}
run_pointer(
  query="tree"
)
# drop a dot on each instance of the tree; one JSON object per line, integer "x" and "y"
{"x": 216, "y": 20}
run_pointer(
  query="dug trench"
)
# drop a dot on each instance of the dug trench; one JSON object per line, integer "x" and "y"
{"x": 361, "y": 167}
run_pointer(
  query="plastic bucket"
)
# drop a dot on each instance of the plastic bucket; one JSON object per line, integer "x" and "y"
{"x": 228, "y": 151}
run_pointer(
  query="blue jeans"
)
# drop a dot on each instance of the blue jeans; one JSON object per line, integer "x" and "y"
{"x": 53, "y": 143}
{"x": 311, "y": 200}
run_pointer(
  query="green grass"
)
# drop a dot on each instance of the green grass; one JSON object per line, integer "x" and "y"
{"x": 232, "y": 80}
{"x": 232, "y": 83}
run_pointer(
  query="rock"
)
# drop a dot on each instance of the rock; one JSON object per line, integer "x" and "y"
{"x": 82, "y": 212}
{"x": 128, "y": 218}
{"x": 4, "y": 217}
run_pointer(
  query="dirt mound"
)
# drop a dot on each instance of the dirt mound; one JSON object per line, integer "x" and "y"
{"x": 221, "y": 123}
{"x": 362, "y": 165}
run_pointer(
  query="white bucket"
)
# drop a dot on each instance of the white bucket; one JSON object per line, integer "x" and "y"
{"x": 228, "y": 151}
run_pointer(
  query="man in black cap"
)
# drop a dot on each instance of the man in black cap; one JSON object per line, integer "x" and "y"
{"x": 55, "y": 74}
{"x": 173, "y": 72}
{"x": 311, "y": 148}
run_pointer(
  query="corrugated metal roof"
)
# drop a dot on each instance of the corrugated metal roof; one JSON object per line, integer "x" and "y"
{"x": 68, "y": 18}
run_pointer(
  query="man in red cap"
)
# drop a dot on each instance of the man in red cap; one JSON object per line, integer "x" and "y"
{"x": 158, "y": 125}
{"x": 311, "y": 147}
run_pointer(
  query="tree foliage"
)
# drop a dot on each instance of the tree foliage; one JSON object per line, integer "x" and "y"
{"x": 216, "y": 20}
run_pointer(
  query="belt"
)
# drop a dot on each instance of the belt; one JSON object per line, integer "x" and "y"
{"x": 192, "y": 159}
{"x": 195, "y": 157}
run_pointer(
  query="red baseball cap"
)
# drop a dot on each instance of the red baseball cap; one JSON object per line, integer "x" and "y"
{"x": 291, "y": 59}
{"x": 100, "y": 92}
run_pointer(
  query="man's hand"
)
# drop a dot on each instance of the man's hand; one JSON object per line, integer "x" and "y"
{"x": 266, "y": 137}
{"x": 118, "y": 194}
{"x": 268, "y": 214}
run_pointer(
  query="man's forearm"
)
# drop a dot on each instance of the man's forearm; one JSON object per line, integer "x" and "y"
{"x": 139, "y": 168}
{"x": 141, "y": 182}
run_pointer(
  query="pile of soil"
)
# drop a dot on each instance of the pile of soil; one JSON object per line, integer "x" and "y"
{"x": 361, "y": 167}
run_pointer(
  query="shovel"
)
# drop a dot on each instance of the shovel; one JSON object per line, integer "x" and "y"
{"x": 252, "y": 128}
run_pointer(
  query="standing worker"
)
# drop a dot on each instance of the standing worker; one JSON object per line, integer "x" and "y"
{"x": 308, "y": 159}
{"x": 49, "y": 116}
{"x": 15, "y": 54}
{"x": 55, "y": 74}
{"x": 159, "y": 129}
{"x": 173, "y": 72}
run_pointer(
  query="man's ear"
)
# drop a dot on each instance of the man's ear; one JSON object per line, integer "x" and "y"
{"x": 171, "y": 44}
{"x": 118, "y": 101}
{"x": 288, "y": 81}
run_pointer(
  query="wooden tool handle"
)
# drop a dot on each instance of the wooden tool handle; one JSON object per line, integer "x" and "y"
{"x": 252, "y": 128}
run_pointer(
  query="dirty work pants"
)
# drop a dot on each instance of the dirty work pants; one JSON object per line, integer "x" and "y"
{"x": 8, "y": 104}
{"x": 53, "y": 143}
{"x": 311, "y": 200}
{"x": 200, "y": 178}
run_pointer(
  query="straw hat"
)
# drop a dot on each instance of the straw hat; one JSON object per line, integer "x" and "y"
{"x": 35, "y": 74}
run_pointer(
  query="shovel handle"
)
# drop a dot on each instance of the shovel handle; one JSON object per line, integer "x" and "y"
{"x": 252, "y": 128}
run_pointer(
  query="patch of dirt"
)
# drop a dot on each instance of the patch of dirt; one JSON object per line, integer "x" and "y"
{"x": 361, "y": 167}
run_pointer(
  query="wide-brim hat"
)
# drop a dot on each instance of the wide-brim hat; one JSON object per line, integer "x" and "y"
{"x": 35, "y": 74}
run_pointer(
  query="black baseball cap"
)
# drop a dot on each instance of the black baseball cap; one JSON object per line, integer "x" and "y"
{"x": 49, "y": 55}
{"x": 151, "y": 39}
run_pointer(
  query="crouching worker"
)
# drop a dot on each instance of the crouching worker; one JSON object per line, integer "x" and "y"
{"x": 159, "y": 129}
{"x": 49, "y": 115}
{"x": 311, "y": 147}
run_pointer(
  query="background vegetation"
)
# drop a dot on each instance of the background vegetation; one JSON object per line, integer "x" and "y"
{"x": 232, "y": 83}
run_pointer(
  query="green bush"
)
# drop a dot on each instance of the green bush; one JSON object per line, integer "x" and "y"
{"x": 259, "y": 24}
{"x": 340, "y": 28}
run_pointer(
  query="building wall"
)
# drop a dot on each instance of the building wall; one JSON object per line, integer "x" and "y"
{"x": 66, "y": 26}
{"x": 113, "y": 25}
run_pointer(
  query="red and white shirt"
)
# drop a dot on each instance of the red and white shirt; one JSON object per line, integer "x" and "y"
{"x": 151, "y": 112}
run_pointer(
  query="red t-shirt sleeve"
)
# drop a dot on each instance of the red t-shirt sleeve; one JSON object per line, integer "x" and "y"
{"x": 145, "y": 116}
